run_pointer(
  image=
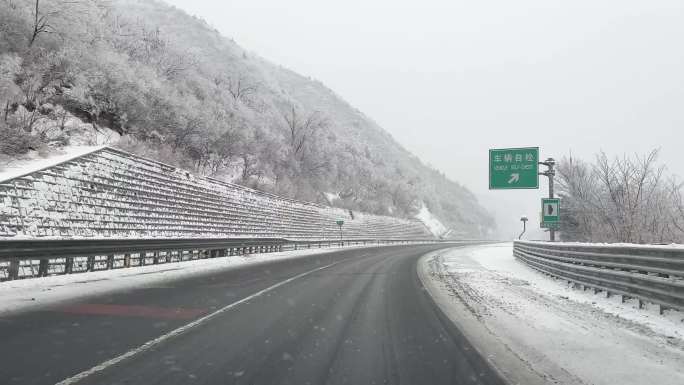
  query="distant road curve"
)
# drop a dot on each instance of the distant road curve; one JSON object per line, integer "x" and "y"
{"x": 356, "y": 316}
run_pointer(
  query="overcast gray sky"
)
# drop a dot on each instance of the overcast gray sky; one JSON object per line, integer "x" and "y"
{"x": 451, "y": 79}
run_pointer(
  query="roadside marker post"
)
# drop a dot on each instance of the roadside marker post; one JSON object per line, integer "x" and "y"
{"x": 340, "y": 222}
{"x": 523, "y": 219}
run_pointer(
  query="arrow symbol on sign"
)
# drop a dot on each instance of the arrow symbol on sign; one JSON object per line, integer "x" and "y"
{"x": 514, "y": 178}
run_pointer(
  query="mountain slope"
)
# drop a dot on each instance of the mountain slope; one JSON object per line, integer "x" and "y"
{"x": 180, "y": 92}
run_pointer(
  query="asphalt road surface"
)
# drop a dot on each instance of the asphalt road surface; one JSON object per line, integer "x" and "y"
{"x": 357, "y": 316}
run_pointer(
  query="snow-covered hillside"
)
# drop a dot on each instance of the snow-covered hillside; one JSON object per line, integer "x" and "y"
{"x": 182, "y": 94}
{"x": 433, "y": 224}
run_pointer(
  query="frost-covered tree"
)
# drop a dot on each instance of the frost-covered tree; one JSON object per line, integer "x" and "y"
{"x": 623, "y": 199}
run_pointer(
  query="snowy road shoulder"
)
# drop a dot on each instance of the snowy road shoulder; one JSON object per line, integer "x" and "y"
{"x": 564, "y": 335}
{"x": 28, "y": 294}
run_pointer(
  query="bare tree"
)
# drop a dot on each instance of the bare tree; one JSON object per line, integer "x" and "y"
{"x": 42, "y": 17}
{"x": 301, "y": 130}
{"x": 240, "y": 89}
{"x": 249, "y": 166}
{"x": 184, "y": 132}
{"x": 40, "y": 23}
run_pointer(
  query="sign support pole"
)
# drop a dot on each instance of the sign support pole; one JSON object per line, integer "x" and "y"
{"x": 550, "y": 173}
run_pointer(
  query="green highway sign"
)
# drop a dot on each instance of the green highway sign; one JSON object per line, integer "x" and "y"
{"x": 553, "y": 226}
{"x": 514, "y": 168}
{"x": 550, "y": 212}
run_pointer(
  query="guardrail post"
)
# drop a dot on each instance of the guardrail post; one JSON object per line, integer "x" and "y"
{"x": 43, "y": 267}
{"x": 13, "y": 270}
{"x": 68, "y": 265}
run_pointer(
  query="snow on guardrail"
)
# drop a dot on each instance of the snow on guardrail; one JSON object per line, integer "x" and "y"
{"x": 653, "y": 273}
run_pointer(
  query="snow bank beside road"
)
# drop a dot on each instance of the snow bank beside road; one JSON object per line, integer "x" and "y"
{"x": 28, "y": 294}
{"x": 563, "y": 334}
{"x": 500, "y": 259}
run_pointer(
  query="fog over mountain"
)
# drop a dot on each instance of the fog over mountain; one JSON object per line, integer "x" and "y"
{"x": 450, "y": 79}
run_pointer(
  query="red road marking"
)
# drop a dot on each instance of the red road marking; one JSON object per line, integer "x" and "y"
{"x": 133, "y": 311}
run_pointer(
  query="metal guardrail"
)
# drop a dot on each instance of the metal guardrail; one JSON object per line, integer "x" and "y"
{"x": 42, "y": 257}
{"x": 647, "y": 273}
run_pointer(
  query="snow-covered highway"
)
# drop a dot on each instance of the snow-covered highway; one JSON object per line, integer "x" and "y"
{"x": 355, "y": 316}
{"x": 399, "y": 314}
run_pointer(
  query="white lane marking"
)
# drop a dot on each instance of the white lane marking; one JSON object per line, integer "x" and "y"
{"x": 149, "y": 344}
